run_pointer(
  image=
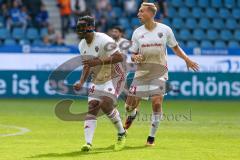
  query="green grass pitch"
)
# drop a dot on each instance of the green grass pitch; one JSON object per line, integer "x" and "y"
{"x": 191, "y": 130}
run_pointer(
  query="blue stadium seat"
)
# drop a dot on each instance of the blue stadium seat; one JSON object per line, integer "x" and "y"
{"x": 231, "y": 24}
{"x": 229, "y": 3}
{"x": 220, "y": 44}
{"x": 224, "y": 13}
{"x": 233, "y": 44}
{"x": 4, "y": 33}
{"x": 206, "y": 44}
{"x": 171, "y": 12}
{"x": 37, "y": 42}
{"x": 117, "y": 11}
{"x": 203, "y": 3}
{"x": 24, "y": 42}
{"x": 192, "y": 44}
{"x": 216, "y": 3}
{"x": 128, "y": 33}
{"x": 197, "y": 12}
{"x": 2, "y": 23}
{"x": 177, "y": 23}
{"x": 166, "y": 21}
{"x": 113, "y": 2}
{"x": 181, "y": 44}
{"x": 190, "y": 3}
{"x": 176, "y": 33}
{"x": 237, "y": 35}
{"x": 236, "y": 13}
{"x": 176, "y": 3}
{"x": 204, "y": 23}
{"x": 191, "y": 23}
{"x": 184, "y": 34}
{"x": 10, "y": 41}
{"x": 18, "y": 33}
{"x": 124, "y": 23}
{"x": 238, "y": 3}
{"x": 198, "y": 34}
{"x": 225, "y": 35}
{"x": 135, "y": 22}
{"x": 212, "y": 34}
{"x": 184, "y": 12}
{"x": 218, "y": 23}
{"x": 32, "y": 33}
{"x": 211, "y": 13}
{"x": 43, "y": 32}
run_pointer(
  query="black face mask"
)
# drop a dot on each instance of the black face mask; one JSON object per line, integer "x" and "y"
{"x": 84, "y": 27}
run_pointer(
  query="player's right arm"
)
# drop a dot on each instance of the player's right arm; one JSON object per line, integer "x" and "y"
{"x": 134, "y": 49}
{"x": 171, "y": 42}
{"x": 85, "y": 72}
{"x": 84, "y": 76}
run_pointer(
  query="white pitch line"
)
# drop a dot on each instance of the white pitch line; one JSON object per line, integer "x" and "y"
{"x": 21, "y": 131}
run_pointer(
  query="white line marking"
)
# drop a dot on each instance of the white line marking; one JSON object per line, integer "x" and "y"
{"x": 21, "y": 131}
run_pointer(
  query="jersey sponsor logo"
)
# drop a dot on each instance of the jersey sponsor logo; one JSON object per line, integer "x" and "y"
{"x": 151, "y": 45}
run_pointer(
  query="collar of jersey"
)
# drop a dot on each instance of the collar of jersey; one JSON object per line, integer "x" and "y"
{"x": 92, "y": 40}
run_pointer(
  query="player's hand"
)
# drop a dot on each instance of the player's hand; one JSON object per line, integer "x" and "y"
{"x": 137, "y": 58}
{"x": 191, "y": 64}
{"x": 77, "y": 86}
{"x": 92, "y": 62}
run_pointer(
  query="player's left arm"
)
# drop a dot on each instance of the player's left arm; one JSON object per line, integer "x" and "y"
{"x": 171, "y": 42}
{"x": 190, "y": 63}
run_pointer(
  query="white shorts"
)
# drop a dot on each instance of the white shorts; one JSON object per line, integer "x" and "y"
{"x": 111, "y": 88}
{"x": 147, "y": 90}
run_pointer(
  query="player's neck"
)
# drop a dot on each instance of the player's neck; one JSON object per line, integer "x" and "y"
{"x": 117, "y": 39}
{"x": 89, "y": 38}
{"x": 150, "y": 25}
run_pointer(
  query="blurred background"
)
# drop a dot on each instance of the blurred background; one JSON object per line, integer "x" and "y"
{"x": 197, "y": 23}
{"x": 36, "y": 36}
{"x": 201, "y": 118}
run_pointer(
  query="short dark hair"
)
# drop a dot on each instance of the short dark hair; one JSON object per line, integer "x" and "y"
{"x": 88, "y": 19}
{"x": 118, "y": 28}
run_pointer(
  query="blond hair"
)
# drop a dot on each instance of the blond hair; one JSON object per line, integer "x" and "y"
{"x": 151, "y": 7}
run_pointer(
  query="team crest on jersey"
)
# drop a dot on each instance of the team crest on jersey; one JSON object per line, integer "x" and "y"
{"x": 96, "y": 48}
{"x": 109, "y": 89}
{"x": 84, "y": 52}
{"x": 160, "y": 34}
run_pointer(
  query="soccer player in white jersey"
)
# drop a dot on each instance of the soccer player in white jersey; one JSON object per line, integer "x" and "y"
{"x": 101, "y": 62}
{"x": 149, "y": 43}
{"x": 117, "y": 35}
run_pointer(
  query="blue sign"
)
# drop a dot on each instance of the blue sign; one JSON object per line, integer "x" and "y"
{"x": 211, "y": 86}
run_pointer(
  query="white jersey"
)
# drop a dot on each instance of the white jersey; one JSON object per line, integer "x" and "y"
{"x": 153, "y": 45}
{"x": 121, "y": 44}
{"x": 100, "y": 47}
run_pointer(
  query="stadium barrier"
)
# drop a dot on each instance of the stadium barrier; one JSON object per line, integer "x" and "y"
{"x": 187, "y": 85}
{"x": 48, "y": 62}
{"x": 47, "y": 58}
